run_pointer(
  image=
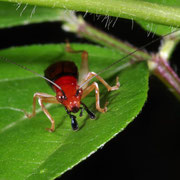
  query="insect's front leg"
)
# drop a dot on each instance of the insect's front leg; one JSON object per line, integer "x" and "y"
{"x": 88, "y": 89}
{"x": 94, "y": 86}
{"x": 43, "y": 98}
{"x": 109, "y": 88}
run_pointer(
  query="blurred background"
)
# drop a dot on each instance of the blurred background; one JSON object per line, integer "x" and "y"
{"x": 149, "y": 147}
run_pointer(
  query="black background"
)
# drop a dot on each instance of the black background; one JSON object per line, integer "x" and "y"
{"x": 149, "y": 147}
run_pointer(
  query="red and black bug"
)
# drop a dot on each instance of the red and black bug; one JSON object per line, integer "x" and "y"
{"x": 72, "y": 86}
{"x": 65, "y": 80}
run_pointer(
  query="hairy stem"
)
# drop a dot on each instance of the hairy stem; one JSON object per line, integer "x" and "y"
{"x": 75, "y": 24}
{"x": 131, "y": 9}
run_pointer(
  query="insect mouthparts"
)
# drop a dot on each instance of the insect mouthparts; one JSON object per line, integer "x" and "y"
{"x": 75, "y": 109}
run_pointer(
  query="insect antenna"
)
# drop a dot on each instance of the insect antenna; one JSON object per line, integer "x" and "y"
{"x": 37, "y": 74}
{"x": 131, "y": 53}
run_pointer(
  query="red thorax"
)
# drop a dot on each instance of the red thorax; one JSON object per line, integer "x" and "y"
{"x": 69, "y": 85}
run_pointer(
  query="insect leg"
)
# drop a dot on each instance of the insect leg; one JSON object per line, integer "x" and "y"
{"x": 84, "y": 68}
{"x": 90, "y": 88}
{"x": 109, "y": 88}
{"x": 43, "y": 98}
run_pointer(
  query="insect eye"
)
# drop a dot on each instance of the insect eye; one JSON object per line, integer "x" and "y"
{"x": 62, "y": 97}
{"x": 79, "y": 91}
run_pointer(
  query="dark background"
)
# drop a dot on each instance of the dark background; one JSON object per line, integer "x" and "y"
{"x": 149, "y": 147}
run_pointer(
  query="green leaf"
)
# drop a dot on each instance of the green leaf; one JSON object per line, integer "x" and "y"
{"x": 27, "y": 150}
{"x": 156, "y": 28}
{"x": 161, "y": 13}
{"x": 13, "y": 14}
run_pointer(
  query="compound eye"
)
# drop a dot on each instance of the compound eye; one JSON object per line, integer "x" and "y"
{"x": 79, "y": 91}
{"x": 61, "y": 98}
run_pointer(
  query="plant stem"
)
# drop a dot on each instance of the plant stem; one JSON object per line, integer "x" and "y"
{"x": 104, "y": 39}
{"x": 75, "y": 24}
{"x": 167, "y": 75}
{"x": 168, "y": 45}
{"x": 160, "y": 67}
{"x": 131, "y": 9}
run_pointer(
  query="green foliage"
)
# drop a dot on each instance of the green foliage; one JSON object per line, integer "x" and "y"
{"x": 157, "y": 11}
{"x": 13, "y": 14}
{"x": 155, "y": 27}
{"x": 27, "y": 150}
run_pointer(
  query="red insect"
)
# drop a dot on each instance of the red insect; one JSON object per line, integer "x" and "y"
{"x": 71, "y": 87}
{"x": 67, "y": 85}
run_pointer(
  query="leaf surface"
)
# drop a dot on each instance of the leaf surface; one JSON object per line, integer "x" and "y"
{"x": 27, "y": 150}
{"x": 14, "y": 14}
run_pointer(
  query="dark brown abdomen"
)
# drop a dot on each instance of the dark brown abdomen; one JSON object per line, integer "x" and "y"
{"x": 59, "y": 69}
